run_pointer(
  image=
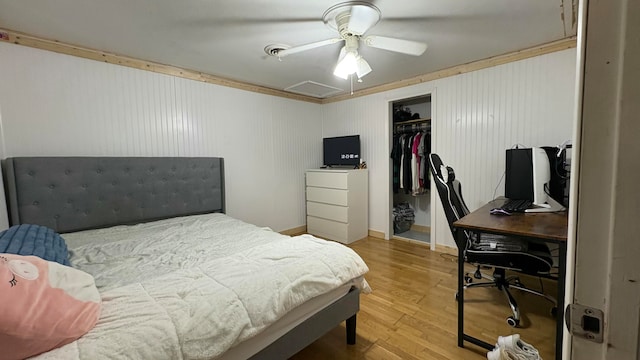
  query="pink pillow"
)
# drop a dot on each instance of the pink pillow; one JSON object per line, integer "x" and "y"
{"x": 44, "y": 305}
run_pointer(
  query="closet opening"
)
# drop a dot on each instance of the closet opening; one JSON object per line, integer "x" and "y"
{"x": 410, "y": 210}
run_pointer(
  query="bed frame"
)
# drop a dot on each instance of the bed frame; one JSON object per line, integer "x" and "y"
{"x": 71, "y": 194}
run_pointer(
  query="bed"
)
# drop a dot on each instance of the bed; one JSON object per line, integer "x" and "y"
{"x": 178, "y": 278}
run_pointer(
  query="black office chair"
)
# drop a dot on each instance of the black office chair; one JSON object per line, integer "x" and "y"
{"x": 498, "y": 252}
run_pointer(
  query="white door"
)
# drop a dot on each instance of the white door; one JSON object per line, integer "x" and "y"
{"x": 606, "y": 203}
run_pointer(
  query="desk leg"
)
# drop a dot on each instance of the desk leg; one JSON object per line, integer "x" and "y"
{"x": 562, "y": 273}
{"x": 460, "y": 240}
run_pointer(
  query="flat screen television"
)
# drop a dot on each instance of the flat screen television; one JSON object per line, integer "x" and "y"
{"x": 341, "y": 150}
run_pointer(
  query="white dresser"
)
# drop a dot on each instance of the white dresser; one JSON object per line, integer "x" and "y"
{"x": 338, "y": 204}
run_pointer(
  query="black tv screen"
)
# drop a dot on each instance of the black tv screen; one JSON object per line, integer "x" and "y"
{"x": 342, "y": 150}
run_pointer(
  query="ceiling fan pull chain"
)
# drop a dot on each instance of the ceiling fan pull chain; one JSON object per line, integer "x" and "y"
{"x": 351, "y": 78}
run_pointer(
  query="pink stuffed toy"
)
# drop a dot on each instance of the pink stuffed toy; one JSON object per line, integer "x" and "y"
{"x": 45, "y": 305}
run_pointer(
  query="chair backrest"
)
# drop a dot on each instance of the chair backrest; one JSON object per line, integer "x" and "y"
{"x": 450, "y": 192}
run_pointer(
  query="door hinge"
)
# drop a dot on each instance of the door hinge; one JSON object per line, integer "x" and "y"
{"x": 585, "y": 322}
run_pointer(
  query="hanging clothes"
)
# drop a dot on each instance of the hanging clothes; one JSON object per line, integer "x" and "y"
{"x": 409, "y": 153}
{"x": 422, "y": 162}
{"x": 415, "y": 165}
{"x": 396, "y": 155}
{"x": 424, "y": 148}
{"x": 406, "y": 163}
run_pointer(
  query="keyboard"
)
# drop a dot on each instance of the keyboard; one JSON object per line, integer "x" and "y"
{"x": 515, "y": 205}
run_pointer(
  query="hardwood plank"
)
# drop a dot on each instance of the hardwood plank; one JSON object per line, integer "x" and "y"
{"x": 412, "y": 312}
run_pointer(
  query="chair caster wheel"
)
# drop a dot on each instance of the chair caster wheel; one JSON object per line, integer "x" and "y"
{"x": 468, "y": 279}
{"x": 477, "y": 275}
{"x": 513, "y": 322}
{"x": 554, "y": 311}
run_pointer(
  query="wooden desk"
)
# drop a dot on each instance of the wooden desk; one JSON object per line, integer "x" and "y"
{"x": 537, "y": 227}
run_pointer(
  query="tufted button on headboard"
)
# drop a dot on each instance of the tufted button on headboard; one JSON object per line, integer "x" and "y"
{"x": 77, "y": 193}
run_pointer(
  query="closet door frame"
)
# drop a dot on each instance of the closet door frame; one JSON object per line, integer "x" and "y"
{"x": 403, "y": 94}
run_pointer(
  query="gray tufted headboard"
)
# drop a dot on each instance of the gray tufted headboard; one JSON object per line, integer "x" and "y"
{"x": 77, "y": 193}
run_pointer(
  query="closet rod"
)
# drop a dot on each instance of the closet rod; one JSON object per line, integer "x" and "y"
{"x": 412, "y": 128}
{"x": 416, "y": 121}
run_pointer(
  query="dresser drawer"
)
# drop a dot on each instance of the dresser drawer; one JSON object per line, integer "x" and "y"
{"x": 328, "y": 196}
{"x": 328, "y": 179}
{"x": 327, "y": 211}
{"x": 328, "y": 229}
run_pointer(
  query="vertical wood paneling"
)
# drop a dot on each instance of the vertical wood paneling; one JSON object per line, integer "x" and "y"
{"x": 363, "y": 116}
{"x": 528, "y": 102}
{"x": 476, "y": 117}
{"x": 53, "y": 104}
{"x": 298, "y": 140}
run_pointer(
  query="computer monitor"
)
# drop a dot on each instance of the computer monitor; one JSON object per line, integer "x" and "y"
{"x": 527, "y": 177}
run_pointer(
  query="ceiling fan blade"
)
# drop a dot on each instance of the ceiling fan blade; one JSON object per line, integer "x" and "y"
{"x": 398, "y": 45}
{"x": 362, "y": 18}
{"x": 301, "y": 48}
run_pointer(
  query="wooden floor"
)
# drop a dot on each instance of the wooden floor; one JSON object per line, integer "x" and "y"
{"x": 412, "y": 312}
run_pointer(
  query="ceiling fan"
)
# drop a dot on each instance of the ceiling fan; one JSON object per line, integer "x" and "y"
{"x": 352, "y": 20}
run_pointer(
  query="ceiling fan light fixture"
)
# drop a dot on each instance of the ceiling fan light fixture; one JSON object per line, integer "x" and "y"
{"x": 362, "y": 67}
{"x": 351, "y": 63}
{"x": 352, "y": 20}
{"x": 346, "y": 65}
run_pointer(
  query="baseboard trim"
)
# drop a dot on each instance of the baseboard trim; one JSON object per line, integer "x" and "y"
{"x": 412, "y": 241}
{"x": 376, "y": 234}
{"x": 421, "y": 228}
{"x": 303, "y": 230}
{"x": 380, "y": 235}
{"x": 446, "y": 250}
{"x": 295, "y": 231}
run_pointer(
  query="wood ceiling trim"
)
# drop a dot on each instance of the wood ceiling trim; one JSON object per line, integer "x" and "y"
{"x": 559, "y": 45}
{"x": 79, "y": 51}
{"x": 68, "y": 49}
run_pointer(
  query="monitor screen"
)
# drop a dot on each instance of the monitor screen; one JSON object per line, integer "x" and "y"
{"x": 527, "y": 175}
{"x": 342, "y": 150}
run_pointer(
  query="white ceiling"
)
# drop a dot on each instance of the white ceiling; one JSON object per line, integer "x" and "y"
{"x": 227, "y": 38}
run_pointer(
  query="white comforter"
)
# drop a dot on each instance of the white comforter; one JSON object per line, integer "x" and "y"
{"x": 193, "y": 287}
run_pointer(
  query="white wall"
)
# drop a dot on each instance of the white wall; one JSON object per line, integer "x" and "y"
{"x": 53, "y": 104}
{"x": 475, "y": 117}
